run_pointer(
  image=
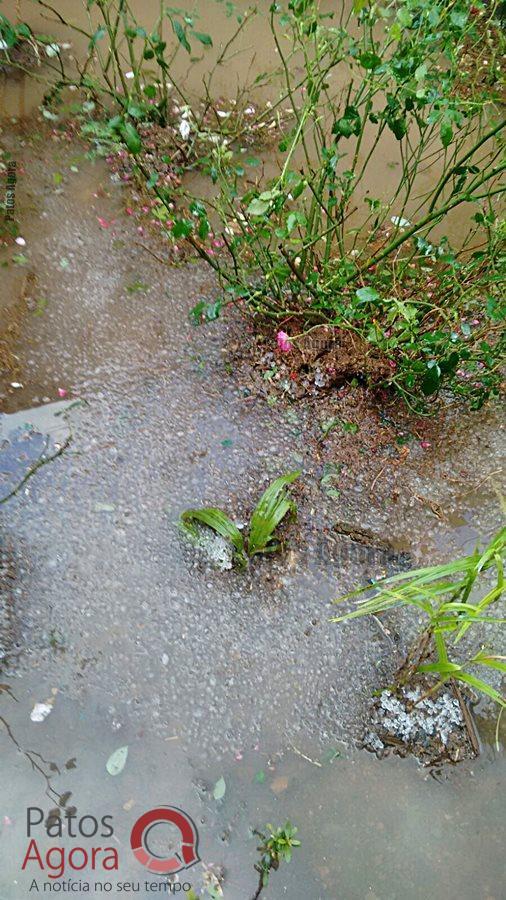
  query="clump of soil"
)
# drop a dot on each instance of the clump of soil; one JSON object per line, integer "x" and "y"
{"x": 325, "y": 357}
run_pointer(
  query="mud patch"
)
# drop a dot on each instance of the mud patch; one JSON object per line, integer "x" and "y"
{"x": 11, "y": 322}
{"x": 312, "y": 364}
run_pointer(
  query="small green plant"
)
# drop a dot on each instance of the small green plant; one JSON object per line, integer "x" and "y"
{"x": 276, "y": 847}
{"x": 443, "y": 594}
{"x": 270, "y": 511}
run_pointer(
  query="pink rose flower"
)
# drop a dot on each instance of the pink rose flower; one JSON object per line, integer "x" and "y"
{"x": 283, "y": 342}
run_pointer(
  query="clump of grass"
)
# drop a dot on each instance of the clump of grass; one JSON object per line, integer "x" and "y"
{"x": 260, "y": 536}
{"x": 275, "y": 848}
{"x": 443, "y": 594}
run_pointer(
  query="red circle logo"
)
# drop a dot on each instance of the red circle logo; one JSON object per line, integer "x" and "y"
{"x": 142, "y": 831}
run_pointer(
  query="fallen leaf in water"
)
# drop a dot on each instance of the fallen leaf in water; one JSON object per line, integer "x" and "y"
{"x": 279, "y": 784}
{"x": 104, "y": 507}
{"x": 137, "y": 286}
{"x": 40, "y": 711}
{"x": 116, "y": 762}
{"x": 330, "y": 755}
{"x": 40, "y": 306}
{"x": 219, "y": 789}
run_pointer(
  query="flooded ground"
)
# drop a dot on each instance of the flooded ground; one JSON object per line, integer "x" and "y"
{"x": 131, "y": 640}
{"x": 369, "y": 828}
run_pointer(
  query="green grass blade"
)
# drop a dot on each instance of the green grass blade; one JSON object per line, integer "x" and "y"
{"x": 491, "y": 660}
{"x": 269, "y": 513}
{"x": 418, "y": 578}
{"x": 482, "y": 686}
{"x": 217, "y": 520}
{"x": 442, "y": 668}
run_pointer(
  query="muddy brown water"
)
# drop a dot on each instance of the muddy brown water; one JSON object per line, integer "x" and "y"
{"x": 252, "y": 53}
{"x": 205, "y": 675}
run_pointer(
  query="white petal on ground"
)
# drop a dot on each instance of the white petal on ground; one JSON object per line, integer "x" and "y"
{"x": 184, "y": 129}
{"x": 40, "y": 711}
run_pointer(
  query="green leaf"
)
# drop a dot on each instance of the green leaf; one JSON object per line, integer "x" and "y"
{"x": 116, "y": 762}
{"x": 369, "y": 60}
{"x": 219, "y": 789}
{"x": 491, "y": 660}
{"x": 398, "y": 127}
{"x": 349, "y": 124}
{"x": 431, "y": 380}
{"x": 135, "y": 111}
{"x": 131, "y": 138}
{"x": 99, "y": 34}
{"x": 20, "y": 259}
{"x": 258, "y": 207}
{"x": 481, "y": 686}
{"x": 204, "y": 39}
{"x": 269, "y": 512}
{"x": 182, "y": 228}
{"x": 358, "y": 6}
{"x": 137, "y": 286}
{"x": 181, "y": 35}
{"x": 446, "y": 133}
{"x": 351, "y": 427}
{"x": 458, "y": 18}
{"x": 367, "y": 295}
{"x": 217, "y": 520}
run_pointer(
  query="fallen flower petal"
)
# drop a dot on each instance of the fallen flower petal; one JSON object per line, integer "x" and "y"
{"x": 40, "y": 711}
{"x": 283, "y": 342}
{"x": 184, "y": 129}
